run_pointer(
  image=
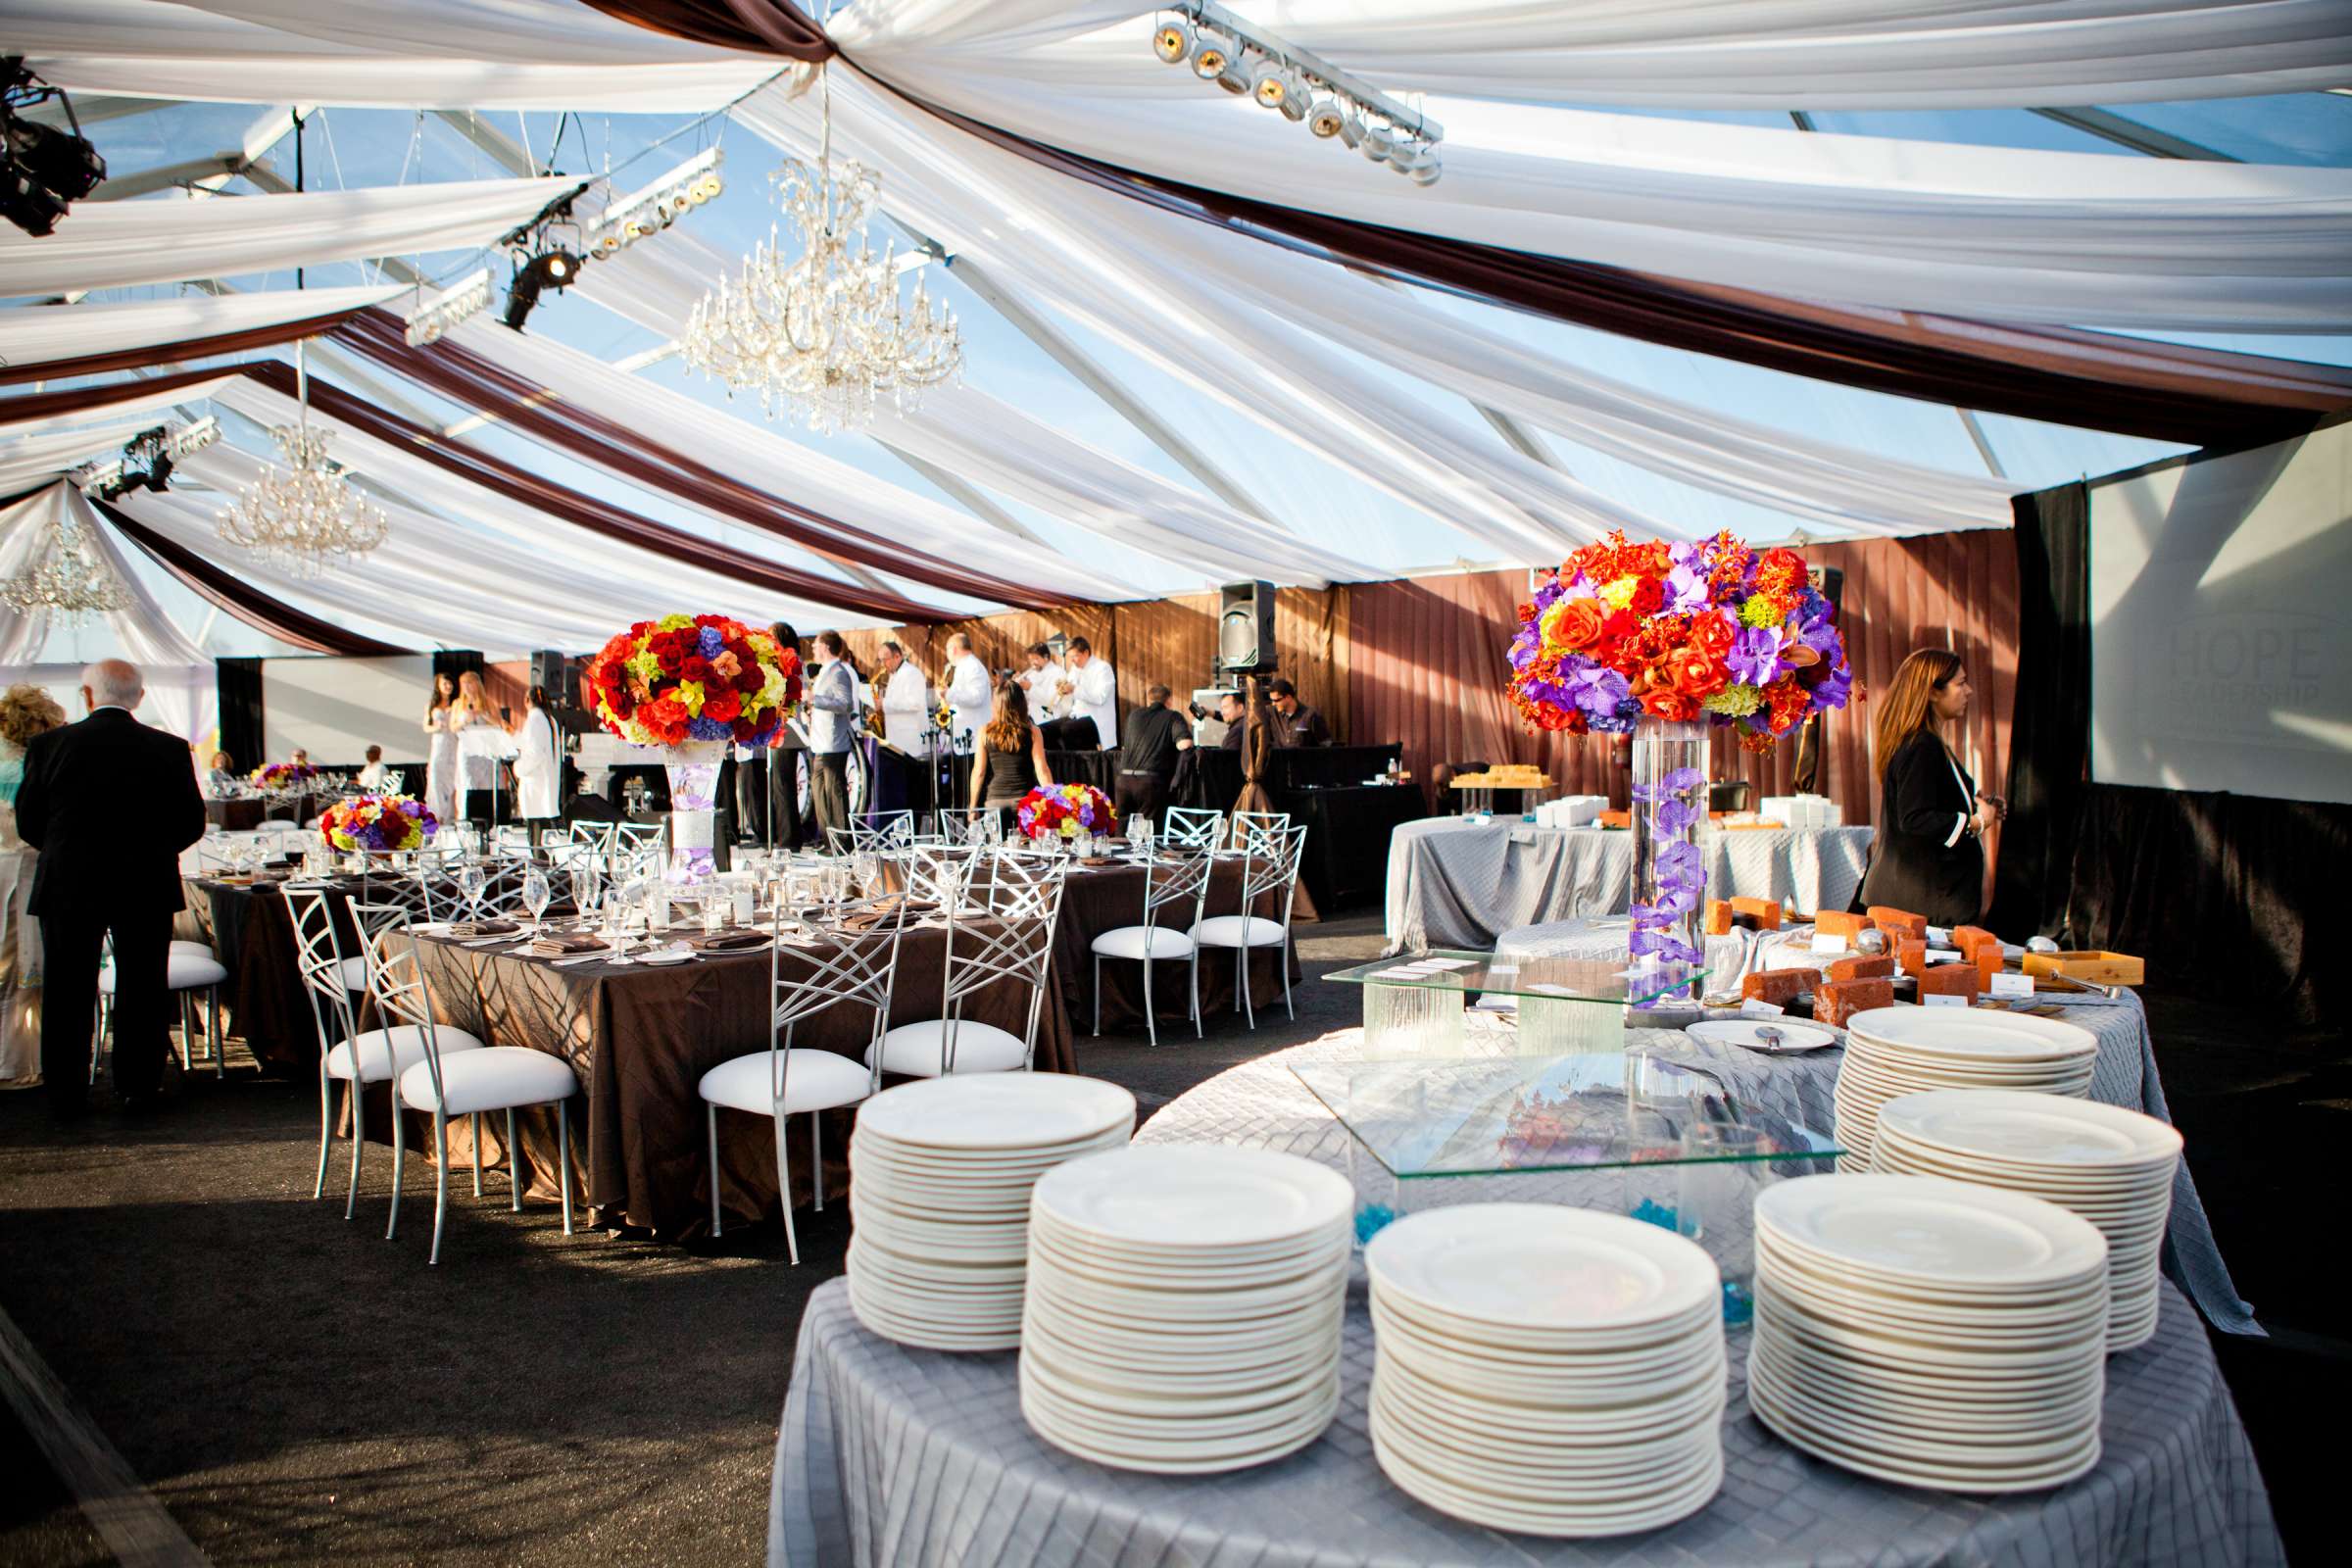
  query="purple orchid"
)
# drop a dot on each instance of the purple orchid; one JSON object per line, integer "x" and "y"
{"x": 1687, "y": 591}
{"x": 1755, "y": 654}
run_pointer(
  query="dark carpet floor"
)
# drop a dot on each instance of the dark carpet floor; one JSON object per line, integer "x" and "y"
{"x": 293, "y": 1388}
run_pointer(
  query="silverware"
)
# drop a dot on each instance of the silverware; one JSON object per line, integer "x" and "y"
{"x": 1769, "y": 1038}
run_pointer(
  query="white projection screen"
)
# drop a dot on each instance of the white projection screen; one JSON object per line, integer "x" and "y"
{"x": 336, "y": 707}
{"x": 2221, "y": 604}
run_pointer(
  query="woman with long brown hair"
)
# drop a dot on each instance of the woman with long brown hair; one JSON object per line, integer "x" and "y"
{"x": 1013, "y": 754}
{"x": 24, "y": 713}
{"x": 1928, "y": 856}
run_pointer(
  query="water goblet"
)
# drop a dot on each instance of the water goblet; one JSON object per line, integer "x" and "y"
{"x": 536, "y": 894}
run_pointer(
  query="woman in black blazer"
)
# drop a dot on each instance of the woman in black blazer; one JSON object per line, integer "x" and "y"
{"x": 1928, "y": 856}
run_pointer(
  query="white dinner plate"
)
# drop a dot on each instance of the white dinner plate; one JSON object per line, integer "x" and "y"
{"x": 2035, "y": 1130}
{"x": 1206, "y": 1196}
{"x": 1503, "y": 1505}
{"x": 1937, "y": 1232}
{"x": 1541, "y": 1266}
{"x": 1968, "y": 1034}
{"x": 1796, "y": 1038}
{"x": 1000, "y": 1110}
{"x": 1167, "y": 1458}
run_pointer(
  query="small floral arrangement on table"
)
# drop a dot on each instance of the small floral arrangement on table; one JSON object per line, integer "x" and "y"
{"x": 378, "y": 825}
{"x": 1703, "y": 630}
{"x": 283, "y": 776}
{"x": 1066, "y": 811}
{"x": 695, "y": 678}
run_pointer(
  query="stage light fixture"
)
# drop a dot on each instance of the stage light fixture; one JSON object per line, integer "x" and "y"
{"x": 442, "y": 314}
{"x": 42, "y": 169}
{"x": 1241, "y": 57}
{"x": 629, "y": 219}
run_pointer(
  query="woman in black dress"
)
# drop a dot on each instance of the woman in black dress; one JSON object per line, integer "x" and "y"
{"x": 1929, "y": 853}
{"x": 1012, "y": 754}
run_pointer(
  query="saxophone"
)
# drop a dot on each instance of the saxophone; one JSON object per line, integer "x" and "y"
{"x": 873, "y": 716}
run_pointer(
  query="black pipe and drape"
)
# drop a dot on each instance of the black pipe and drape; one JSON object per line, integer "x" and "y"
{"x": 238, "y": 682}
{"x": 2050, "y": 726}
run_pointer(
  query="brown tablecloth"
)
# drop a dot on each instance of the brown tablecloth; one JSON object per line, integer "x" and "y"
{"x": 251, "y": 930}
{"x": 1102, "y": 899}
{"x": 641, "y": 1037}
{"x": 247, "y": 812}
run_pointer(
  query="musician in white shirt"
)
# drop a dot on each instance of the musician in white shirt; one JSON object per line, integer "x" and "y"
{"x": 1047, "y": 684}
{"x": 906, "y": 702}
{"x": 1094, "y": 692}
{"x": 968, "y": 694}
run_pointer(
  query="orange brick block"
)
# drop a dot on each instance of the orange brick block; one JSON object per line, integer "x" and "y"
{"x": 1719, "y": 917}
{"x": 1864, "y": 966}
{"x": 1766, "y": 912}
{"x": 1949, "y": 980}
{"x": 1910, "y": 956}
{"x": 1968, "y": 937}
{"x": 1839, "y": 923}
{"x": 1901, "y": 922}
{"x": 1841, "y": 1000}
{"x": 1777, "y": 984}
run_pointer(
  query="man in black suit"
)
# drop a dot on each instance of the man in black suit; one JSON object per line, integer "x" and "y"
{"x": 109, "y": 804}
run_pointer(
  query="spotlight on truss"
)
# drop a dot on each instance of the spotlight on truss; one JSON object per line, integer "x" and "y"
{"x": 441, "y": 315}
{"x": 626, "y": 219}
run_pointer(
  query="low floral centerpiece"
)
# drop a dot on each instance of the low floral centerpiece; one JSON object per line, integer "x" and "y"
{"x": 378, "y": 825}
{"x": 1666, "y": 642}
{"x": 1065, "y": 812}
{"x": 283, "y": 776}
{"x": 692, "y": 685}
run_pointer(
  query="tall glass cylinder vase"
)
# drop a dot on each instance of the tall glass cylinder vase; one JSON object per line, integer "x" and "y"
{"x": 1670, "y": 870}
{"x": 693, "y": 770}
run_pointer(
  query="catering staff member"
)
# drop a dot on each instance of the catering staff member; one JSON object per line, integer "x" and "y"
{"x": 1231, "y": 711}
{"x": 1047, "y": 685}
{"x": 1929, "y": 853}
{"x": 1155, "y": 733}
{"x": 538, "y": 763}
{"x": 1094, "y": 689}
{"x": 1295, "y": 723}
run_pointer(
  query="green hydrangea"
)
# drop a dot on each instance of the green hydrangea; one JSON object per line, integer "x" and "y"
{"x": 1735, "y": 702}
{"x": 1759, "y": 611}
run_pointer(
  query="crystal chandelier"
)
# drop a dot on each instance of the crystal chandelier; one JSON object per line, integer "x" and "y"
{"x": 64, "y": 576}
{"x": 825, "y": 332}
{"x": 305, "y": 514}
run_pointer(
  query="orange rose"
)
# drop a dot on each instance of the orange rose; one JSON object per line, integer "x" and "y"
{"x": 1574, "y": 624}
{"x": 1671, "y": 704}
{"x": 1697, "y": 673}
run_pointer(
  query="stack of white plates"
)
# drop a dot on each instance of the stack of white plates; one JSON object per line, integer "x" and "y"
{"x": 1891, "y": 1051}
{"x": 940, "y": 1176}
{"x": 2110, "y": 1165}
{"x": 1184, "y": 1306}
{"x": 1930, "y": 1332}
{"x": 1549, "y": 1370}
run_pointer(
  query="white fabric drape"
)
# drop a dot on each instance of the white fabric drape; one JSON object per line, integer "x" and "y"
{"x": 449, "y": 54}
{"x": 501, "y": 543}
{"x": 40, "y": 457}
{"x": 960, "y": 190}
{"x": 177, "y": 673}
{"x": 39, "y": 334}
{"x": 117, "y": 244}
{"x": 990, "y": 443}
{"x": 739, "y": 448}
{"x": 1993, "y": 234}
{"x": 146, "y": 403}
{"x": 1754, "y": 54}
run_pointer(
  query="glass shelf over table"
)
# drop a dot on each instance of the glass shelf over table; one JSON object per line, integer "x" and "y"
{"x": 1413, "y": 1004}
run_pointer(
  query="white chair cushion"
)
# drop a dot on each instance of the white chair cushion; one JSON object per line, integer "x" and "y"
{"x": 920, "y": 1047}
{"x": 814, "y": 1080}
{"x": 184, "y": 971}
{"x": 386, "y": 1053}
{"x": 352, "y": 972}
{"x": 1237, "y": 931}
{"x": 1135, "y": 941}
{"x": 492, "y": 1078}
{"x": 194, "y": 950}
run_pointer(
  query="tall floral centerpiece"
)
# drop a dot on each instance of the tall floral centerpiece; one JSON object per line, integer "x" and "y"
{"x": 1668, "y": 642}
{"x": 694, "y": 685}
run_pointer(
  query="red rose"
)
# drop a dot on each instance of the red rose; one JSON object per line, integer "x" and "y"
{"x": 750, "y": 680}
{"x": 1649, "y": 597}
{"x": 744, "y": 729}
{"x": 694, "y": 667}
{"x": 723, "y": 706}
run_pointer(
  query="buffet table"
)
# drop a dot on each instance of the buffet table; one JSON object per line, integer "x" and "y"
{"x": 2125, "y": 1074}
{"x": 1457, "y": 883}
{"x": 891, "y": 1455}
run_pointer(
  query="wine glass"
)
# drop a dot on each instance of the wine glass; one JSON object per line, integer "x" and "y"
{"x": 586, "y": 890}
{"x": 536, "y": 895}
{"x": 471, "y": 879}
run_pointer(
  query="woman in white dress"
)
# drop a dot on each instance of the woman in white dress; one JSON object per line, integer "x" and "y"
{"x": 441, "y": 764}
{"x": 478, "y": 753}
{"x": 24, "y": 711}
{"x": 538, "y": 763}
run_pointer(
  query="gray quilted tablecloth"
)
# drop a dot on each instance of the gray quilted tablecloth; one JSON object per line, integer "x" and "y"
{"x": 900, "y": 1458}
{"x": 1454, "y": 883}
{"x": 2125, "y": 1075}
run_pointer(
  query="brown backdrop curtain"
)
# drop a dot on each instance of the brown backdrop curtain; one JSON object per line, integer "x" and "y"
{"x": 1427, "y": 666}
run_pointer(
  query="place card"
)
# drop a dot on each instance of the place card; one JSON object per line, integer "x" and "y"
{"x": 1402, "y": 971}
{"x": 1940, "y": 935}
{"x": 2006, "y": 984}
{"x": 1523, "y": 835}
{"x": 1829, "y": 944}
{"x": 1754, "y": 1008}
{"x": 1450, "y": 963}
{"x": 1943, "y": 999}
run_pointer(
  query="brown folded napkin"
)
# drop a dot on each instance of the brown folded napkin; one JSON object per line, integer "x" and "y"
{"x": 1096, "y": 859}
{"x": 727, "y": 941}
{"x": 564, "y": 944}
{"x": 483, "y": 928}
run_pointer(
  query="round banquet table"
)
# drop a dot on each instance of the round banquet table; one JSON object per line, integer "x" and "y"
{"x": 1458, "y": 883}
{"x": 894, "y": 1455}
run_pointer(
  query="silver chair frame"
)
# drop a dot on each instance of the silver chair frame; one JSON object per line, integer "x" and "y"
{"x": 1020, "y": 897}
{"x": 1167, "y": 881}
{"x": 970, "y": 825}
{"x": 319, "y": 954}
{"x": 1263, "y": 872}
{"x": 397, "y": 983}
{"x": 854, "y": 969}
{"x": 1194, "y": 825}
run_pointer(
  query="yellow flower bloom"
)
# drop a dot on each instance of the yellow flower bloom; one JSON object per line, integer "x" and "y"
{"x": 1620, "y": 593}
{"x": 689, "y": 692}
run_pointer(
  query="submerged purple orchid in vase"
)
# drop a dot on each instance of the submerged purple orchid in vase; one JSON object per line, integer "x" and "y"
{"x": 1670, "y": 872}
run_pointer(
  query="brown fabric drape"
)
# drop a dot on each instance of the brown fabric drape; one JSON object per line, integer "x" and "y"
{"x": 1427, "y": 669}
{"x": 82, "y": 399}
{"x": 501, "y": 477}
{"x": 1257, "y": 748}
{"x": 2161, "y": 390}
{"x": 186, "y": 348}
{"x": 241, "y": 599}
{"x": 775, "y": 27}
{"x": 460, "y": 374}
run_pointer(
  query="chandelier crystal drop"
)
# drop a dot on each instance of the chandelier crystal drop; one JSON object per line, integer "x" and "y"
{"x": 824, "y": 332}
{"x": 305, "y": 514}
{"x": 67, "y": 577}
